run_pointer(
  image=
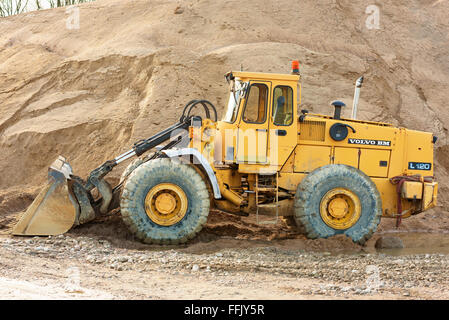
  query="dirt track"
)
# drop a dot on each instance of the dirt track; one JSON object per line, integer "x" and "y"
{"x": 232, "y": 258}
{"x": 262, "y": 271}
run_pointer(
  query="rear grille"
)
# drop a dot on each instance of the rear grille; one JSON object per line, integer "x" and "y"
{"x": 312, "y": 130}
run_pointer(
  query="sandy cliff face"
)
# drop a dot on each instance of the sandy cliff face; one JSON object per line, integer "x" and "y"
{"x": 126, "y": 73}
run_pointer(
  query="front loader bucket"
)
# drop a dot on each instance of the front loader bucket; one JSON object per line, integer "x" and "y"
{"x": 54, "y": 210}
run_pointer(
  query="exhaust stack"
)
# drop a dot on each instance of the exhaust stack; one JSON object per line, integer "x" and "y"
{"x": 358, "y": 85}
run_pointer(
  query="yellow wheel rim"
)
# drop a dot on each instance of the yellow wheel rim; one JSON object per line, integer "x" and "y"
{"x": 166, "y": 204}
{"x": 340, "y": 208}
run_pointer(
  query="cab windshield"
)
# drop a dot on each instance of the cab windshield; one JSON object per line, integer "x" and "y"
{"x": 237, "y": 92}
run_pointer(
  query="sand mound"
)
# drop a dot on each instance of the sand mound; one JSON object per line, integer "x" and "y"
{"x": 125, "y": 74}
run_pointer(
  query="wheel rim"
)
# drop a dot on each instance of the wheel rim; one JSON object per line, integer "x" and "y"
{"x": 340, "y": 208}
{"x": 166, "y": 204}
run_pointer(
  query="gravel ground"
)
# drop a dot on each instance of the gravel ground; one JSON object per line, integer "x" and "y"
{"x": 73, "y": 266}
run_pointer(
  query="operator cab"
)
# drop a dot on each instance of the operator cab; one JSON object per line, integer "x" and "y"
{"x": 261, "y": 108}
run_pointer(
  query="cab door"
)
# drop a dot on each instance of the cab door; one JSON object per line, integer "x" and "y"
{"x": 252, "y": 134}
{"x": 283, "y": 134}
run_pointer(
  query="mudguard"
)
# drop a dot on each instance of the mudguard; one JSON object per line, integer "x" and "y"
{"x": 171, "y": 153}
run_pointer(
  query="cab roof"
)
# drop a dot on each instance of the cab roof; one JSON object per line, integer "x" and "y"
{"x": 265, "y": 76}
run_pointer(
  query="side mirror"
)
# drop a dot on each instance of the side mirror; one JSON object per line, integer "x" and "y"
{"x": 229, "y": 76}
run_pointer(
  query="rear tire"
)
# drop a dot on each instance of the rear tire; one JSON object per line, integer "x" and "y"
{"x": 135, "y": 205}
{"x": 356, "y": 211}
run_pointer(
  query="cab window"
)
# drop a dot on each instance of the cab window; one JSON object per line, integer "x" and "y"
{"x": 256, "y": 104}
{"x": 283, "y": 106}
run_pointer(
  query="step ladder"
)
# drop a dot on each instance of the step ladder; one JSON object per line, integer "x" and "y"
{"x": 275, "y": 203}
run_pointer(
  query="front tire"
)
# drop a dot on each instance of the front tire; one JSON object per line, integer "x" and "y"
{"x": 164, "y": 202}
{"x": 130, "y": 168}
{"x": 338, "y": 199}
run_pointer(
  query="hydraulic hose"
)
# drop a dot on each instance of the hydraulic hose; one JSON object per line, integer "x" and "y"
{"x": 193, "y": 103}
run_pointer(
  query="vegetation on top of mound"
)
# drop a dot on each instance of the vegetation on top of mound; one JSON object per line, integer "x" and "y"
{"x": 13, "y": 7}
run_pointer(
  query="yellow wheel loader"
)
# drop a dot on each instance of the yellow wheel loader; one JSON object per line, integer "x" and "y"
{"x": 328, "y": 174}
